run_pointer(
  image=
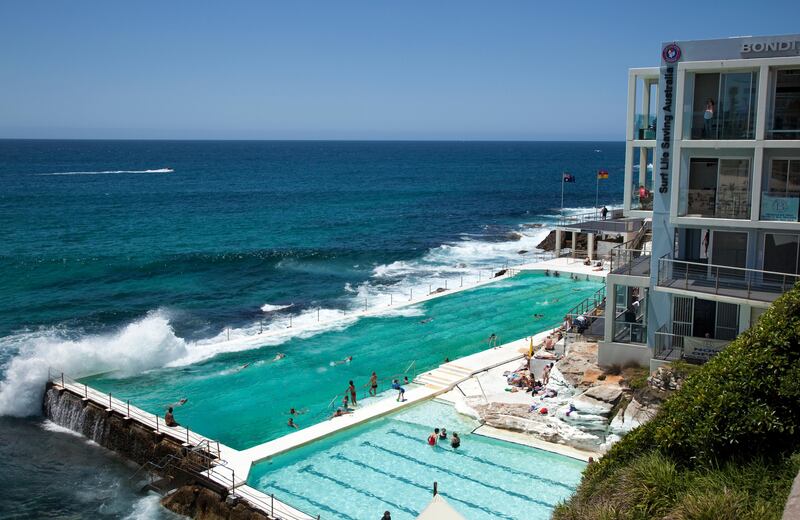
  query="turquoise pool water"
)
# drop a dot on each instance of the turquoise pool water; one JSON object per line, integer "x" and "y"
{"x": 245, "y": 407}
{"x": 387, "y": 465}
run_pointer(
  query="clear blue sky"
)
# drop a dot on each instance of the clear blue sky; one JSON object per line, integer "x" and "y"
{"x": 350, "y": 69}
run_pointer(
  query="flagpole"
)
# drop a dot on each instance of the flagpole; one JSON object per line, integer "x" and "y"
{"x": 597, "y": 192}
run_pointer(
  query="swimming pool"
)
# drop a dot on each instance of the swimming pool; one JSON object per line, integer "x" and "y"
{"x": 245, "y": 407}
{"x": 387, "y": 465}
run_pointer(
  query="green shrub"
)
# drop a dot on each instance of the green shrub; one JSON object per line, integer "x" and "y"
{"x": 726, "y": 445}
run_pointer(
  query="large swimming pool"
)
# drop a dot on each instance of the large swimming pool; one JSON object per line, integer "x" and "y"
{"x": 386, "y": 464}
{"x": 243, "y": 407}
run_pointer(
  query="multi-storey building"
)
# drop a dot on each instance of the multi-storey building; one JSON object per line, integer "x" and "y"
{"x": 713, "y": 157}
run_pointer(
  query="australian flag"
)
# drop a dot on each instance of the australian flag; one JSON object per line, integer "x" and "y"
{"x": 568, "y": 177}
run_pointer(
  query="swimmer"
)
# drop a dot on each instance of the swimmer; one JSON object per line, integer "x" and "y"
{"x": 291, "y": 423}
{"x": 339, "y": 412}
{"x": 348, "y": 359}
{"x": 279, "y": 356}
{"x": 244, "y": 366}
{"x": 538, "y": 316}
{"x": 426, "y": 320}
{"x": 295, "y": 411}
{"x": 181, "y": 402}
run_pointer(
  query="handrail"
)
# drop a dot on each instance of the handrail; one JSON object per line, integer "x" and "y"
{"x": 714, "y": 279}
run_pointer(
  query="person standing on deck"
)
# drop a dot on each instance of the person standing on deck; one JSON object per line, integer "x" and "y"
{"x": 352, "y": 388}
{"x": 400, "y": 390}
{"x": 373, "y": 385}
{"x": 604, "y": 212}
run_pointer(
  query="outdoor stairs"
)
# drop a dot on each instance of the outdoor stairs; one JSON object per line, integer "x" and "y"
{"x": 445, "y": 376}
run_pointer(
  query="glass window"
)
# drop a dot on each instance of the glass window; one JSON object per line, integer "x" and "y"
{"x": 724, "y": 106}
{"x": 786, "y": 108}
{"x": 718, "y": 188}
{"x": 642, "y": 179}
{"x": 781, "y": 200}
{"x": 781, "y": 253}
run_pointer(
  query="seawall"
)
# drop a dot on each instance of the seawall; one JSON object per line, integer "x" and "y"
{"x": 178, "y": 466}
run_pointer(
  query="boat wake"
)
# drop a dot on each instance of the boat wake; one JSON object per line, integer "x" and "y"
{"x": 109, "y": 172}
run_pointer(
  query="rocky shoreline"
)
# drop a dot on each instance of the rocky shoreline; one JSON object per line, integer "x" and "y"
{"x": 583, "y": 405}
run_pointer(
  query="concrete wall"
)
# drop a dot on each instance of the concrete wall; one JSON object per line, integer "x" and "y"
{"x": 609, "y": 353}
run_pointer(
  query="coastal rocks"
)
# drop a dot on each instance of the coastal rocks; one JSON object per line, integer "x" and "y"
{"x": 598, "y": 400}
{"x": 549, "y": 243}
{"x": 518, "y": 417}
{"x": 665, "y": 380}
{"x": 204, "y": 504}
{"x": 634, "y": 415}
{"x": 580, "y": 367}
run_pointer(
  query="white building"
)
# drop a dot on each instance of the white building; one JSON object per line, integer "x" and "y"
{"x": 713, "y": 156}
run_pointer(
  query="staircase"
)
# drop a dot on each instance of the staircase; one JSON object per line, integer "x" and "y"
{"x": 445, "y": 376}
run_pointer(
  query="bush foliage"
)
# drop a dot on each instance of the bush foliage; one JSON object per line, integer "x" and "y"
{"x": 721, "y": 446}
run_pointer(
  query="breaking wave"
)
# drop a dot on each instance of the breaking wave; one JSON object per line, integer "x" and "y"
{"x": 108, "y": 172}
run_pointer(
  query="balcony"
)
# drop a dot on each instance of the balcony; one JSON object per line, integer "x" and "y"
{"x": 721, "y": 280}
{"x": 594, "y": 223}
{"x": 673, "y": 347}
{"x": 630, "y": 262}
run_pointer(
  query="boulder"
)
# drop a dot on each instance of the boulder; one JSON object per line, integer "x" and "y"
{"x": 605, "y": 393}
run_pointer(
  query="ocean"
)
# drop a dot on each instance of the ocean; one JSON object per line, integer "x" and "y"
{"x": 129, "y": 256}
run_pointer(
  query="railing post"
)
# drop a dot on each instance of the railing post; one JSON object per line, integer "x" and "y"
{"x": 156, "y": 423}
{"x": 686, "y": 278}
{"x": 129, "y": 408}
{"x": 85, "y": 390}
{"x": 272, "y": 505}
{"x": 109, "y": 402}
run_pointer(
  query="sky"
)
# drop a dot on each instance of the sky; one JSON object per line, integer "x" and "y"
{"x": 349, "y": 69}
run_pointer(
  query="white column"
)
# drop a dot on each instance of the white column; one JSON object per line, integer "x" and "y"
{"x": 558, "y": 242}
{"x": 611, "y": 297}
{"x": 590, "y": 245}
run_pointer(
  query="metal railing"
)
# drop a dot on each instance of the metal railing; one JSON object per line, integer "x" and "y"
{"x": 126, "y": 409}
{"x": 589, "y": 308}
{"x": 624, "y": 260}
{"x": 570, "y": 220}
{"x": 737, "y": 282}
{"x": 673, "y": 347}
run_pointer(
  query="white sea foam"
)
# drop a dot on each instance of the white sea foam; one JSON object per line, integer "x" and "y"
{"x": 149, "y": 508}
{"x": 141, "y": 345}
{"x": 268, "y": 307}
{"x": 108, "y": 172}
{"x": 53, "y": 427}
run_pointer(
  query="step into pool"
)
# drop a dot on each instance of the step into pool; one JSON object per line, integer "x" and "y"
{"x": 386, "y": 465}
{"x": 242, "y": 399}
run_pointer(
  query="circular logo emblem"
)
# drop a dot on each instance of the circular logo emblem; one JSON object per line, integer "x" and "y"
{"x": 671, "y": 53}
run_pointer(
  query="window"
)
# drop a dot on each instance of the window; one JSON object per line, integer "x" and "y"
{"x": 781, "y": 200}
{"x": 718, "y": 188}
{"x": 724, "y": 105}
{"x": 786, "y": 105}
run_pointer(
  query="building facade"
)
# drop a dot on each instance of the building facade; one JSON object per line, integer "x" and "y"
{"x": 713, "y": 157}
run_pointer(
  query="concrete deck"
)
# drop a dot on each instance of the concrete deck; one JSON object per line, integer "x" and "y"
{"x": 534, "y": 442}
{"x": 568, "y": 265}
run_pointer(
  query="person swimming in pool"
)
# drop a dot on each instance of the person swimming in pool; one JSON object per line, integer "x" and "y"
{"x": 426, "y": 320}
{"x": 295, "y": 411}
{"x": 344, "y": 361}
{"x": 279, "y": 356}
{"x": 181, "y": 402}
{"x": 292, "y": 424}
{"x": 339, "y": 412}
{"x": 538, "y": 316}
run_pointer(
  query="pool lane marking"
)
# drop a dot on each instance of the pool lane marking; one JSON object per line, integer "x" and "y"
{"x": 310, "y": 470}
{"x": 493, "y": 464}
{"x": 314, "y": 503}
{"x": 410, "y": 482}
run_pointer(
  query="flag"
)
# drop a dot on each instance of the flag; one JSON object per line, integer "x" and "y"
{"x": 602, "y": 174}
{"x": 568, "y": 177}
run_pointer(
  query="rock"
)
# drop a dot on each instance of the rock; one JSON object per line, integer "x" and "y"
{"x": 513, "y": 236}
{"x": 634, "y": 415}
{"x": 549, "y": 243}
{"x": 587, "y": 405}
{"x": 582, "y": 358}
{"x": 517, "y": 417}
{"x": 664, "y": 379}
{"x": 606, "y": 393}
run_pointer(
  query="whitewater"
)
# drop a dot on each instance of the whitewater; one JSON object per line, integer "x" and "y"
{"x": 150, "y": 342}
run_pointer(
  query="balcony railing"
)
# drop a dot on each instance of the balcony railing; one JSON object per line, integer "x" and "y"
{"x": 673, "y": 347}
{"x": 631, "y": 262}
{"x": 736, "y": 282}
{"x": 592, "y": 216}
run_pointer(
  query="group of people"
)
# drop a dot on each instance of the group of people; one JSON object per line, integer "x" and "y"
{"x": 441, "y": 436}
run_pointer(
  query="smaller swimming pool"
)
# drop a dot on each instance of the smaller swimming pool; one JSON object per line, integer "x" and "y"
{"x": 386, "y": 464}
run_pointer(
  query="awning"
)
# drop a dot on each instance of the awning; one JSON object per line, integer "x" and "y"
{"x": 439, "y": 509}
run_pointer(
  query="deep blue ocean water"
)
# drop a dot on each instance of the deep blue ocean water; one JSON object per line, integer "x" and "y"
{"x": 116, "y": 250}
